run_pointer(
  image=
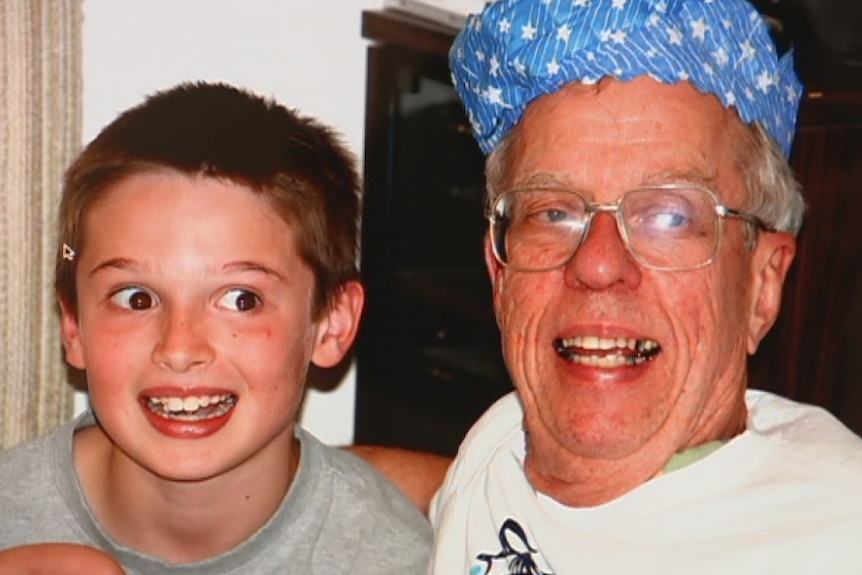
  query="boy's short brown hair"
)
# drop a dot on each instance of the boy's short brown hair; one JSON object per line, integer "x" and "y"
{"x": 220, "y": 131}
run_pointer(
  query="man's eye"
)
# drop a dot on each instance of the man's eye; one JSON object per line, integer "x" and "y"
{"x": 240, "y": 300}
{"x": 134, "y": 298}
{"x": 548, "y": 215}
{"x": 668, "y": 220}
{"x": 555, "y": 216}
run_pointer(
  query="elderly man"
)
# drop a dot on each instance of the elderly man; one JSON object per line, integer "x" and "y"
{"x": 642, "y": 219}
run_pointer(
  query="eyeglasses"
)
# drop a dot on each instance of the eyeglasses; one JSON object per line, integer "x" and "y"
{"x": 667, "y": 227}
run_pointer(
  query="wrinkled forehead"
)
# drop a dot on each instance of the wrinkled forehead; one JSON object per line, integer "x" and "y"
{"x": 517, "y": 50}
{"x": 613, "y": 136}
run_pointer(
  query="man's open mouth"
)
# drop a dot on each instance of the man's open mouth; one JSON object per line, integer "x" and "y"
{"x": 607, "y": 352}
{"x": 192, "y": 407}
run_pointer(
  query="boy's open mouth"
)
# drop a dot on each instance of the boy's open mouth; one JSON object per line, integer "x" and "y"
{"x": 607, "y": 352}
{"x": 192, "y": 407}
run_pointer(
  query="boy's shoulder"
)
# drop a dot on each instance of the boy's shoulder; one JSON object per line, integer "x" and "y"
{"x": 40, "y": 456}
{"x": 22, "y": 463}
{"x": 351, "y": 475}
{"x": 38, "y": 489}
{"x": 358, "y": 504}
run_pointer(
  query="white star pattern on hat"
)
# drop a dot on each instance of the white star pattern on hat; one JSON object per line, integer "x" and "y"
{"x": 721, "y": 48}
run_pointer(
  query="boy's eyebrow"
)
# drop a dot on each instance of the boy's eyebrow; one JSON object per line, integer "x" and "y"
{"x": 118, "y": 263}
{"x": 252, "y": 266}
{"x": 230, "y": 267}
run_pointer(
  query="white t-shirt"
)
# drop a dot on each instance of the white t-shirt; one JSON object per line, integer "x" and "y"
{"x": 783, "y": 497}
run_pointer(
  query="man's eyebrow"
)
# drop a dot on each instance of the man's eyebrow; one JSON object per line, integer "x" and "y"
{"x": 542, "y": 180}
{"x": 692, "y": 176}
{"x": 689, "y": 176}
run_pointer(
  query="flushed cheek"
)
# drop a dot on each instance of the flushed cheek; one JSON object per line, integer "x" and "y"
{"x": 689, "y": 322}
{"x": 522, "y": 313}
{"x": 267, "y": 356}
{"x": 716, "y": 317}
{"x": 266, "y": 368}
{"x": 728, "y": 336}
{"x": 113, "y": 362}
{"x": 112, "y": 391}
{"x": 707, "y": 357}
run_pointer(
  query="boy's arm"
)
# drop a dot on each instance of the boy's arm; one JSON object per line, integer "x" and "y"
{"x": 57, "y": 559}
{"x": 417, "y": 473}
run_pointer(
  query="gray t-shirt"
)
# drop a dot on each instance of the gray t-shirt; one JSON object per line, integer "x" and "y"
{"x": 340, "y": 516}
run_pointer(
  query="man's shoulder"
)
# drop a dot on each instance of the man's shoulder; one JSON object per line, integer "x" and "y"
{"x": 500, "y": 427}
{"x": 809, "y": 433}
{"x": 495, "y": 445}
{"x": 776, "y": 415}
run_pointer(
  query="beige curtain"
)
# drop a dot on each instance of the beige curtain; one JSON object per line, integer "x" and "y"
{"x": 40, "y": 131}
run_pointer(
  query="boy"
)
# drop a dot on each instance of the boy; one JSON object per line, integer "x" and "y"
{"x": 207, "y": 256}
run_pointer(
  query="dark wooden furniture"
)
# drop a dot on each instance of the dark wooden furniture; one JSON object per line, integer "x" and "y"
{"x": 428, "y": 359}
{"x": 428, "y": 354}
{"x": 814, "y": 353}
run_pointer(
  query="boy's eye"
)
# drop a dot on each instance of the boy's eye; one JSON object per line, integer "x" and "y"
{"x": 240, "y": 300}
{"x": 134, "y": 298}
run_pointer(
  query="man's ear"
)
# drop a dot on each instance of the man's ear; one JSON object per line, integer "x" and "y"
{"x": 771, "y": 260}
{"x": 497, "y": 273}
{"x": 70, "y": 332}
{"x": 495, "y": 268}
{"x": 337, "y": 329}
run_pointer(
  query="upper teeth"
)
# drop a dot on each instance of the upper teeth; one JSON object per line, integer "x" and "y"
{"x": 188, "y": 403}
{"x": 619, "y": 348}
{"x": 592, "y": 342}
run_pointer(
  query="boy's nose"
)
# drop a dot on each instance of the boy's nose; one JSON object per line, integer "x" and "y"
{"x": 183, "y": 343}
{"x": 603, "y": 260}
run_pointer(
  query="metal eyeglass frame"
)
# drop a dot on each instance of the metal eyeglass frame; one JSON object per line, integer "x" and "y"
{"x": 593, "y": 208}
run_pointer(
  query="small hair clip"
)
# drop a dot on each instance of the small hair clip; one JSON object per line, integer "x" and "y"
{"x": 68, "y": 252}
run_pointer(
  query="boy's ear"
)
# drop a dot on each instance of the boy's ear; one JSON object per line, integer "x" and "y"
{"x": 337, "y": 329}
{"x": 71, "y": 334}
{"x": 772, "y": 258}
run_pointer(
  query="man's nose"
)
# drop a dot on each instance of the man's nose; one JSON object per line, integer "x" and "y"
{"x": 183, "y": 342}
{"x": 602, "y": 260}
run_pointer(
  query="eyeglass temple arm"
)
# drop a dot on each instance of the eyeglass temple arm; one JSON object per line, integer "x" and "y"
{"x": 726, "y": 212}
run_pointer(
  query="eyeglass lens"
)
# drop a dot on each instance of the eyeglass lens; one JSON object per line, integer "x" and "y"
{"x": 665, "y": 228}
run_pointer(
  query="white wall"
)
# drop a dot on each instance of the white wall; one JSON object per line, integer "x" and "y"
{"x": 308, "y": 54}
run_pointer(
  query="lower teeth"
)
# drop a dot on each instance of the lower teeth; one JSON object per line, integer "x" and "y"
{"x": 200, "y": 414}
{"x": 607, "y": 360}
